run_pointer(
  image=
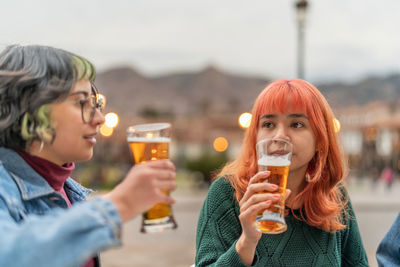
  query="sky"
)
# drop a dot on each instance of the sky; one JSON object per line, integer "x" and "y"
{"x": 345, "y": 40}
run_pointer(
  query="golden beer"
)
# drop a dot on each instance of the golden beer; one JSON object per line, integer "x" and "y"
{"x": 142, "y": 151}
{"x": 149, "y": 149}
{"x": 270, "y": 220}
{"x": 274, "y": 155}
{"x": 148, "y": 142}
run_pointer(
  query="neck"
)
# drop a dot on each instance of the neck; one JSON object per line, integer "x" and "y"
{"x": 296, "y": 183}
{"x": 38, "y": 149}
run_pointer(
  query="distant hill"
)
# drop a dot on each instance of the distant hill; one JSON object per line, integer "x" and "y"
{"x": 365, "y": 91}
{"x": 212, "y": 90}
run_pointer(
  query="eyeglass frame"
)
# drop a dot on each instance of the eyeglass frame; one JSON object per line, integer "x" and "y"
{"x": 98, "y": 105}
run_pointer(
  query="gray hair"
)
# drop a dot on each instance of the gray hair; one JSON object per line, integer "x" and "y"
{"x": 31, "y": 79}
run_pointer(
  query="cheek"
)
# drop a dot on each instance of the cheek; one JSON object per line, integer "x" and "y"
{"x": 261, "y": 135}
{"x": 311, "y": 148}
{"x": 65, "y": 132}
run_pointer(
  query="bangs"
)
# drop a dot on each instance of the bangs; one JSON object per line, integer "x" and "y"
{"x": 282, "y": 97}
{"x": 83, "y": 68}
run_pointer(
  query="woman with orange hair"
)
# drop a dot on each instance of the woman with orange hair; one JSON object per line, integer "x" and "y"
{"x": 321, "y": 225}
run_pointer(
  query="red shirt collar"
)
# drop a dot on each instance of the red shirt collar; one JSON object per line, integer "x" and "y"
{"x": 54, "y": 174}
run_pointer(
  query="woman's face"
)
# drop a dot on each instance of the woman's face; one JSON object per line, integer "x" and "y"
{"x": 74, "y": 140}
{"x": 294, "y": 127}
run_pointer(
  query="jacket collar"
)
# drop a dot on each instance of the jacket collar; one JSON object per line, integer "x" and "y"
{"x": 30, "y": 183}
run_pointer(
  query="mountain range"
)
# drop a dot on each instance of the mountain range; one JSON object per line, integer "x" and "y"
{"x": 214, "y": 91}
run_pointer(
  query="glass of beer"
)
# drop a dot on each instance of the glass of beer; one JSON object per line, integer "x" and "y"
{"x": 274, "y": 155}
{"x": 151, "y": 142}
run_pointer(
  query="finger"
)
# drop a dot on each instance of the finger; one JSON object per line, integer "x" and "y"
{"x": 165, "y": 185}
{"x": 258, "y": 188}
{"x": 262, "y": 187}
{"x": 160, "y": 164}
{"x": 166, "y": 199}
{"x": 164, "y": 175}
{"x": 259, "y": 198}
{"x": 253, "y": 210}
{"x": 260, "y": 176}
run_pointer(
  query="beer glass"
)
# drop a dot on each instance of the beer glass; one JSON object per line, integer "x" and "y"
{"x": 151, "y": 142}
{"x": 274, "y": 155}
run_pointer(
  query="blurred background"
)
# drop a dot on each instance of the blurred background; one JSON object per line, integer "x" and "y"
{"x": 201, "y": 64}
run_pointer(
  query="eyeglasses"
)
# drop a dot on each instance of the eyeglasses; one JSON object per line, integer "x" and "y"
{"x": 90, "y": 104}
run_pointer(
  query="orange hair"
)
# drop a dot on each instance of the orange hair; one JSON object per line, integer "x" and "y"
{"x": 323, "y": 201}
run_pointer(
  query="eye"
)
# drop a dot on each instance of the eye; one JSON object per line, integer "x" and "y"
{"x": 297, "y": 125}
{"x": 267, "y": 124}
{"x": 83, "y": 101}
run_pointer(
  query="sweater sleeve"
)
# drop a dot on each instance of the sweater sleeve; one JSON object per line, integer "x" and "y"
{"x": 353, "y": 253}
{"x": 218, "y": 228}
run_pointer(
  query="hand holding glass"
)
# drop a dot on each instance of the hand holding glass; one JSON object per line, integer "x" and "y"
{"x": 151, "y": 142}
{"x": 274, "y": 155}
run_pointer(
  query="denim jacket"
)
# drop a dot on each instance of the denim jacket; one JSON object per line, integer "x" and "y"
{"x": 37, "y": 229}
{"x": 388, "y": 253}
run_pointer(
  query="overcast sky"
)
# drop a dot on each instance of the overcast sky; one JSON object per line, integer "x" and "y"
{"x": 345, "y": 39}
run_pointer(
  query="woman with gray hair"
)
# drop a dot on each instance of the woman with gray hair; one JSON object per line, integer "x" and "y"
{"x": 50, "y": 113}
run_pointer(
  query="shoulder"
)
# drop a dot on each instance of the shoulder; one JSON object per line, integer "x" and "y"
{"x": 220, "y": 197}
{"x": 345, "y": 200}
{"x": 344, "y": 195}
{"x": 221, "y": 190}
{"x": 222, "y": 184}
{"x": 75, "y": 190}
{"x": 10, "y": 196}
{"x": 7, "y": 183}
{"x": 218, "y": 220}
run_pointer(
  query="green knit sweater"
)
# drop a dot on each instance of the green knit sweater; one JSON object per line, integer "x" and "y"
{"x": 219, "y": 228}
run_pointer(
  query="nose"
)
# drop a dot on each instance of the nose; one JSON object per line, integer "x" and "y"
{"x": 281, "y": 132}
{"x": 98, "y": 118}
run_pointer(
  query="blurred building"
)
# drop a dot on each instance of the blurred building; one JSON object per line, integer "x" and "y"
{"x": 371, "y": 136}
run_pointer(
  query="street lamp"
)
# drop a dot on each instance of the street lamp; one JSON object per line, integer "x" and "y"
{"x": 301, "y": 8}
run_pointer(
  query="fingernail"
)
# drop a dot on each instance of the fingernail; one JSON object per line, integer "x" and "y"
{"x": 170, "y": 163}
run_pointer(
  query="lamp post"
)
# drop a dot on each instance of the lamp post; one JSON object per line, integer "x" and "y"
{"x": 301, "y": 9}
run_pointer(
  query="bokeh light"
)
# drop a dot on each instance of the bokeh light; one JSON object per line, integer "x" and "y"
{"x": 245, "y": 120}
{"x": 336, "y": 125}
{"x": 106, "y": 131}
{"x": 220, "y": 144}
{"x": 112, "y": 119}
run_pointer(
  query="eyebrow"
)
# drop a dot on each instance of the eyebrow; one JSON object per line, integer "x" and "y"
{"x": 292, "y": 115}
{"x": 79, "y": 92}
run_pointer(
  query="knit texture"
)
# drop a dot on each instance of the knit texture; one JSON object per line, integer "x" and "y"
{"x": 219, "y": 228}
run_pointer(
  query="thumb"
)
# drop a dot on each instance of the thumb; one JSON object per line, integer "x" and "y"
{"x": 167, "y": 199}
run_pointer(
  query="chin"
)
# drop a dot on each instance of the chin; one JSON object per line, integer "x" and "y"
{"x": 83, "y": 158}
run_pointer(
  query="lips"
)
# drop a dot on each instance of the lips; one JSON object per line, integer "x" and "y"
{"x": 91, "y": 138}
{"x": 279, "y": 153}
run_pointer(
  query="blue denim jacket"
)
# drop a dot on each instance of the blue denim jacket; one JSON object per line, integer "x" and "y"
{"x": 388, "y": 253}
{"x": 37, "y": 229}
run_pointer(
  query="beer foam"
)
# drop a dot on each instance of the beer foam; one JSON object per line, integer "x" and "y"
{"x": 274, "y": 161}
{"x": 149, "y": 140}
